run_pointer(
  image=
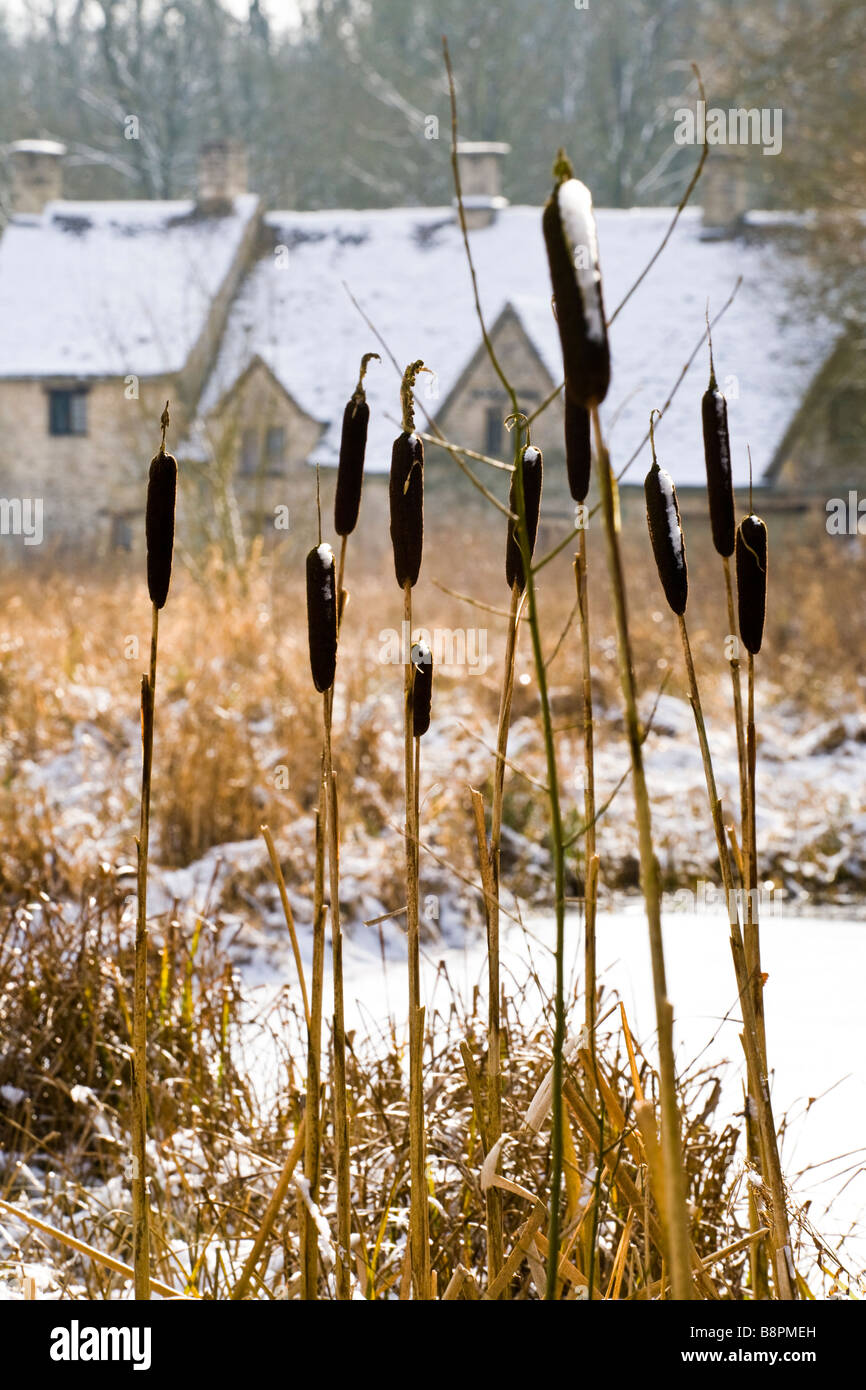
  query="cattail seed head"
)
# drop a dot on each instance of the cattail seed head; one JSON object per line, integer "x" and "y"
{"x": 422, "y": 688}
{"x": 717, "y": 456}
{"x": 752, "y": 557}
{"x": 350, "y": 473}
{"x": 353, "y": 447}
{"x": 666, "y": 535}
{"x": 531, "y": 465}
{"x": 568, "y": 223}
{"x": 322, "y": 615}
{"x": 578, "y": 448}
{"x": 406, "y": 496}
{"x": 159, "y": 524}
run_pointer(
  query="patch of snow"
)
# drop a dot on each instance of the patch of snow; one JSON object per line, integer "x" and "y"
{"x": 111, "y": 288}
{"x": 578, "y": 223}
{"x": 672, "y": 514}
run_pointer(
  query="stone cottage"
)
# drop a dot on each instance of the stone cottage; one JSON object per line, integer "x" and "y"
{"x": 253, "y": 323}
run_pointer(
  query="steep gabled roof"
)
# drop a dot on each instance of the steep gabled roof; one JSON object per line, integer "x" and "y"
{"x": 103, "y": 289}
{"x": 407, "y": 269}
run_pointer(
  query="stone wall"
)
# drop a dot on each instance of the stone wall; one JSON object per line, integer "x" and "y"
{"x": 85, "y": 481}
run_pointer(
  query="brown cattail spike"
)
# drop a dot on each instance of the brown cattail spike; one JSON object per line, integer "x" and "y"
{"x": 578, "y": 448}
{"x": 531, "y": 465}
{"x": 717, "y": 457}
{"x": 353, "y": 447}
{"x": 568, "y": 223}
{"x": 159, "y": 519}
{"x": 666, "y": 532}
{"x": 322, "y": 615}
{"x": 406, "y": 488}
{"x": 752, "y": 558}
{"x": 422, "y": 690}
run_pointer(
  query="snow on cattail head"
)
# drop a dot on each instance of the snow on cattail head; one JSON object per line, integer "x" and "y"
{"x": 570, "y": 236}
{"x": 422, "y": 688}
{"x": 322, "y": 615}
{"x": 666, "y": 534}
{"x": 752, "y": 556}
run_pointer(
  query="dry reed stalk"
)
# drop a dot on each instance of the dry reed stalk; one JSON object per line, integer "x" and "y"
{"x": 590, "y": 854}
{"x": 159, "y": 530}
{"x": 754, "y": 1042}
{"x": 572, "y": 249}
{"x": 322, "y": 627}
{"x": 289, "y": 916}
{"x": 720, "y": 497}
{"x": 272, "y": 1211}
{"x": 406, "y": 496}
{"x": 752, "y": 557}
{"x": 665, "y": 526}
{"x": 677, "y": 1232}
{"x": 313, "y": 1105}
{"x": 531, "y": 465}
{"x": 571, "y": 241}
{"x": 556, "y": 830}
{"x": 491, "y": 882}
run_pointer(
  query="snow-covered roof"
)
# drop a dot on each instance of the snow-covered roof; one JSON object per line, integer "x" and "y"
{"x": 110, "y": 288}
{"x": 407, "y": 269}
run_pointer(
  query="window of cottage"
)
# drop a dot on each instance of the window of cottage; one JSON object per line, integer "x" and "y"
{"x": 275, "y": 446}
{"x": 493, "y": 430}
{"x": 67, "y": 412}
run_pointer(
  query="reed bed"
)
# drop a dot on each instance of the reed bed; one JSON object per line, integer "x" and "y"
{"x": 222, "y": 1156}
{"x": 485, "y": 1148}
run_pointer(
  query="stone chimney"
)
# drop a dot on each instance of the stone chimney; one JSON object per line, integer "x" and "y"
{"x": 222, "y": 175}
{"x": 725, "y": 189}
{"x": 480, "y": 165}
{"x": 37, "y": 175}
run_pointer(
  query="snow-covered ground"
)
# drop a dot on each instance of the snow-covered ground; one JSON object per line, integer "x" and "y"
{"x": 814, "y": 1013}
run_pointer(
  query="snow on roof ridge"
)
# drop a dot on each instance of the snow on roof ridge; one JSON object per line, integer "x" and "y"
{"x": 102, "y": 288}
{"x": 407, "y": 269}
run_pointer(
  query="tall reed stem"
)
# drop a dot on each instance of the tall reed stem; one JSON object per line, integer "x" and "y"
{"x": 418, "y": 1222}
{"x": 753, "y": 1045}
{"x": 140, "y": 1214}
{"x": 676, "y": 1218}
{"x": 757, "y": 1251}
{"x": 495, "y": 1254}
{"x": 313, "y": 1107}
{"x": 591, "y": 865}
{"x": 558, "y": 853}
{"x": 341, "y": 1117}
{"x": 736, "y": 686}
